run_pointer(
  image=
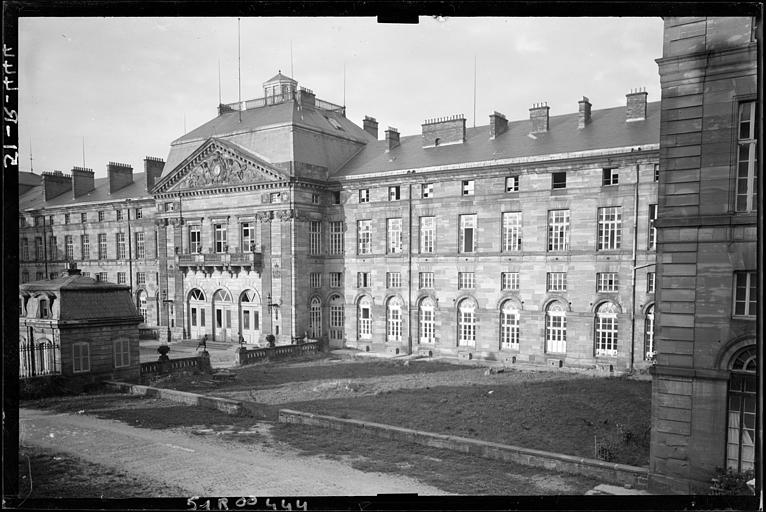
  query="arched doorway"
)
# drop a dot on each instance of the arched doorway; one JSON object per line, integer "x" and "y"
{"x": 141, "y": 303}
{"x": 606, "y": 329}
{"x": 249, "y": 316}
{"x": 315, "y": 318}
{"x": 196, "y": 313}
{"x": 394, "y": 319}
{"x": 337, "y": 318}
{"x": 222, "y": 311}
{"x": 365, "y": 318}
{"x": 741, "y": 410}
{"x": 466, "y": 323}
{"x": 555, "y": 329}
{"x": 427, "y": 331}
{"x": 509, "y": 326}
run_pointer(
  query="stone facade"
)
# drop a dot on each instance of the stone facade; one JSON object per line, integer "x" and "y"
{"x": 707, "y": 254}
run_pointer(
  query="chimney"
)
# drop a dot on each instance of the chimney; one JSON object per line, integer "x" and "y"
{"x": 118, "y": 176}
{"x": 82, "y": 181}
{"x": 583, "y": 119}
{"x": 55, "y": 183}
{"x": 370, "y": 126}
{"x": 498, "y": 124}
{"x": 538, "y": 114}
{"x": 444, "y": 130}
{"x": 306, "y": 98}
{"x": 636, "y": 105}
{"x": 153, "y": 167}
{"x": 392, "y": 137}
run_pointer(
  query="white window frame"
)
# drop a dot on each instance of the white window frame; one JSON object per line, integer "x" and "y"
{"x": 511, "y": 231}
{"x": 336, "y": 237}
{"x": 315, "y": 237}
{"x": 466, "y": 323}
{"x": 509, "y": 326}
{"x": 558, "y": 230}
{"x": 336, "y": 279}
{"x": 610, "y": 176}
{"x": 607, "y": 330}
{"x": 649, "y": 350}
{"x": 466, "y": 280}
{"x": 607, "y": 282}
{"x": 427, "y": 190}
{"x": 220, "y": 237}
{"x": 746, "y": 190}
{"x": 426, "y": 321}
{"x": 121, "y": 277}
{"x": 425, "y": 280}
{"x": 364, "y": 195}
{"x": 315, "y": 317}
{"x": 468, "y": 223}
{"x": 363, "y": 279}
{"x": 85, "y": 246}
{"x": 365, "y": 322}
{"x": 393, "y": 279}
{"x": 469, "y": 187}
{"x": 556, "y": 282}
{"x": 247, "y": 236}
{"x": 651, "y": 278}
{"x": 102, "y": 247}
{"x": 337, "y": 318}
{"x": 609, "y": 228}
{"x": 195, "y": 239}
{"x": 555, "y": 329}
{"x": 394, "y": 235}
{"x": 745, "y": 281}
{"x": 364, "y": 236}
{"x": 427, "y": 234}
{"x": 652, "y": 233}
{"x": 394, "y": 193}
{"x": 315, "y": 279}
{"x": 512, "y": 184}
{"x": 509, "y": 281}
{"x": 69, "y": 247}
{"x": 394, "y": 320}
{"x": 140, "y": 245}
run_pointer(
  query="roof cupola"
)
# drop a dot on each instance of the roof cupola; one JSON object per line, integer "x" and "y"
{"x": 279, "y": 88}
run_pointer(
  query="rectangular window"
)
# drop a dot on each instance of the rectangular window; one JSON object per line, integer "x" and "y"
{"x": 656, "y": 172}
{"x": 468, "y": 187}
{"x": 747, "y": 164}
{"x": 315, "y": 198}
{"x": 39, "y": 249}
{"x": 248, "y": 237}
{"x": 85, "y": 247}
{"x": 140, "y": 278}
{"x": 509, "y": 281}
{"x": 394, "y": 235}
{"x": 650, "y": 278}
{"x": 607, "y": 282}
{"x": 83, "y": 218}
{"x": 102, "y": 246}
{"x": 394, "y": 193}
{"x": 102, "y": 276}
{"x": 426, "y": 280}
{"x": 140, "y": 246}
{"x": 38, "y": 220}
{"x": 39, "y": 276}
{"x": 315, "y": 279}
{"x": 24, "y": 249}
{"x": 80, "y": 357}
{"x": 336, "y": 279}
{"x": 609, "y": 228}
{"x": 53, "y": 247}
{"x": 170, "y": 207}
{"x": 427, "y": 190}
{"x": 221, "y": 244}
{"x": 652, "y": 243}
{"x": 363, "y": 279}
{"x": 427, "y": 234}
{"x": 86, "y": 274}
{"x": 315, "y": 237}
{"x": 69, "y": 247}
{"x": 466, "y": 280}
{"x": 512, "y": 184}
{"x": 121, "y": 277}
{"x": 121, "y": 252}
{"x": 50, "y": 220}
{"x": 25, "y": 277}
{"x": 745, "y": 293}
{"x": 556, "y": 282}
{"x": 118, "y": 215}
{"x": 101, "y": 215}
{"x": 559, "y": 180}
{"x": 139, "y": 213}
{"x": 195, "y": 239}
{"x": 336, "y": 197}
{"x": 609, "y": 177}
{"x": 364, "y": 195}
{"x": 511, "y": 231}
{"x": 121, "y": 353}
{"x": 336, "y": 237}
{"x": 467, "y": 238}
{"x": 393, "y": 279}
{"x": 509, "y": 328}
{"x": 364, "y": 236}
{"x": 66, "y": 218}
{"x": 558, "y": 230}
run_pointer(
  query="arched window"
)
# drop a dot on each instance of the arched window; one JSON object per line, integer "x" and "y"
{"x": 740, "y": 438}
{"x": 394, "y": 319}
{"x": 221, "y": 296}
{"x": 142, "y": 308}
{"x": 315, "y": 318}
{"x": 509, "y": 326}
{"x": 466, "y": 323}
{"x": 555, "y": 329}
{"x": 606, "y": 329}
{"x": 365, "y": 318}
{"x": 337, "y": 317}
{"x": 649, "y": 333}
{"x": 249, "y": 296}
{"x": 196, "y": 294}
{"x": 426, "y": 316}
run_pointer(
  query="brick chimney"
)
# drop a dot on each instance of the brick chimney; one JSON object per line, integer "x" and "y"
{"x": 306, "y": 98}
{"x": 583, "y": 119}
{"x": 392, "y": 137}
{"x": 55, "y": 183}
{"x": 153, "y": 167}
{"x": 370, "y": 126}
{"x": 118, "y": 176}
{"x": 444, "y": 130}
{"x": 82, "y": 181}
{"x": 538, "y": 114}
{"x": 497, "y": 124}
{"x": 636, "y": 105}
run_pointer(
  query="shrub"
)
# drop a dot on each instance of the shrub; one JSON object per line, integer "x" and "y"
{"x": 731, "y": 483}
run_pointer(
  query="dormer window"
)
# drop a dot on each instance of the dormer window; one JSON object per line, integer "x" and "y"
{"x": 45, "y": 311}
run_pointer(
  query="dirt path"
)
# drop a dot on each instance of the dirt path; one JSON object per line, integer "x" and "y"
{"x": 203, "y": 466}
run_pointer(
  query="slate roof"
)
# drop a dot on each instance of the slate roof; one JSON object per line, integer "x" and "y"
{"x": 29, "y": 178}
{"x": 279, "y": 77}
{"x": 71, "y": 282}
{"x": 608, "y": 129}
{"x": 33, "y": 199}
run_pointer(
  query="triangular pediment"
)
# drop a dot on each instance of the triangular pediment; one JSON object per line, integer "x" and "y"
{"x": 219, "y": 163}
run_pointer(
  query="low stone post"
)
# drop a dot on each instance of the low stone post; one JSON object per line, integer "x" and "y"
{"x": 204, "y": 362}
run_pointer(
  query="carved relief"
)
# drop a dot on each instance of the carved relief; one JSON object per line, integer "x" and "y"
{"x": 284, "y": 215}
{"x": 221, "y": 169}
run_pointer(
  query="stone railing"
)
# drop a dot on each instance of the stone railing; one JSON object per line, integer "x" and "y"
{"x": 256, "y": 355}
{"x": 171, "y": 365}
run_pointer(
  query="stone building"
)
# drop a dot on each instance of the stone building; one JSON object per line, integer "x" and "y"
{"x": 78, "y": 327}
{"x": 527, "y": 240}
{"x": 704, "y": 400}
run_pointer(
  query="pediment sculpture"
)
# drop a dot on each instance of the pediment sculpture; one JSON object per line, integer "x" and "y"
{"x": 221, "y": 169}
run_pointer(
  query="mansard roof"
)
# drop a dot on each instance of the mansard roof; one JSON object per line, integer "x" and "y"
{"x": 136, "y": 191}
{"x": 29, "y": 178}
{"x": 607, "y": 129}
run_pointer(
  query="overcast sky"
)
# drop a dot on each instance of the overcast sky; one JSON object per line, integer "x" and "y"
{"x": 128, "y": 86}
